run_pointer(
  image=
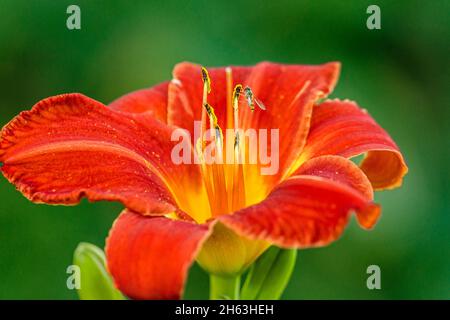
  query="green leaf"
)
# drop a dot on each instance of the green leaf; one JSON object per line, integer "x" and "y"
{"x": 95, "y": 281}
{"x": 269, "y": 275}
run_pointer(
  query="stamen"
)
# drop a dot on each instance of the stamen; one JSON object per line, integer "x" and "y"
{"x": 207, "y": 177}
{"x": 238, "y": 190}
{"x": 206, "y": 79}
{"x": 199, "y": 149}
{"x": 213, "y": 122}
{"x": 206, "y": 90}
{"x": 229, "y": 81}
{"x": 213, "y": 174}
{"x": 225, "y": 184}
{"x": 236, "y": 93}
{"x": 228, "y": 167}
{"x": 211, "y": 114}
{"x": 218, "y": 174}
{"x": 238, "y": 195}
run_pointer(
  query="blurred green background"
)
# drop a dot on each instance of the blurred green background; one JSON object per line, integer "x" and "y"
{"x": 399, "y": 73}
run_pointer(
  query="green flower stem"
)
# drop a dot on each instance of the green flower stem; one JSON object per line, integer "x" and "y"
{"x": 224, "y": 287}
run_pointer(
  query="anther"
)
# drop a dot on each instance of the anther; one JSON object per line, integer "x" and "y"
{"x": 213, "y": 118}
{"x": 206, "y": 79}
{"x": 211, "y": 114}
{"x": 206, "y": 91}
{"x": 236, "y": 93}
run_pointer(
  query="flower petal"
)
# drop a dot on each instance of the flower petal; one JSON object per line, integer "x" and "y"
{"x": 303, "y": 211}
{"x": 70, "y": 146}
{"x": 344, "y": 171}
{"x": 149, "y": 257}
{"x": 342, "y": 128}
{"x": 152, "y": 101}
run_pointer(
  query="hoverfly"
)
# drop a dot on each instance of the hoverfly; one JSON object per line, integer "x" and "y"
{"x": 249, "y": 97}
{"x": 252, "y": 100}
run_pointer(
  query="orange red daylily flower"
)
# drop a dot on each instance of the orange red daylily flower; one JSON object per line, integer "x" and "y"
{"x": 224, "y": 216}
